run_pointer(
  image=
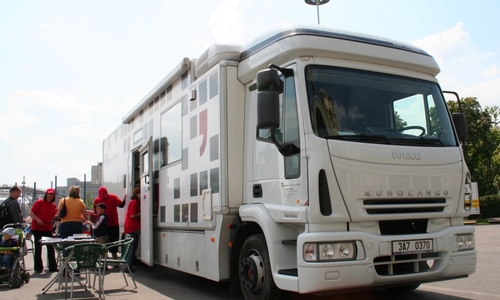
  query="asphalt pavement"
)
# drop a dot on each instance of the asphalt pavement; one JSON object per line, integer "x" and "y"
{"x": 114, "y": 285}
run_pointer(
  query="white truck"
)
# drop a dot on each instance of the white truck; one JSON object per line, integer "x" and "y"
{"x": 312, "y": 160}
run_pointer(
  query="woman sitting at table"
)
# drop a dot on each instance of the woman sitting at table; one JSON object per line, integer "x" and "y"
{"x": 76, "y": 213}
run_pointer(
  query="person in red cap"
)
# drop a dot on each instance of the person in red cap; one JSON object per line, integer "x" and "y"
{"x": 42, "y": 214}
{"x": 112, "y": 202}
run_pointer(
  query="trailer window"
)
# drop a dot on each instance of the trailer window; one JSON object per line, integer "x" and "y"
{"x": 171, "y": 134}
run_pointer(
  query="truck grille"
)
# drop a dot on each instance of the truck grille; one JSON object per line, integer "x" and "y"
{"x": 406, "y": 264}
{"x": 403, "y": 227}
{"x": 403, "y": 206}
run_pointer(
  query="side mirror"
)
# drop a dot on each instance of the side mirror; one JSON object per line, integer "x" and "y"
{"x": 460, "y": 126}
{"x": 269, "y": 87}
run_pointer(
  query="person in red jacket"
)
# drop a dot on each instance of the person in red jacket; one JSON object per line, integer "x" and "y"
{"x": 133, "y": 225}
{"x": 112, "y": 202}
{"x": 42, "y": 214}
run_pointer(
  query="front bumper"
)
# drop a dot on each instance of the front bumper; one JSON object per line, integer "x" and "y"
{"x": 377, "y": 266}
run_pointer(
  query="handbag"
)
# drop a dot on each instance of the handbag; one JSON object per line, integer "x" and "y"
{"x": 63, "y": 211}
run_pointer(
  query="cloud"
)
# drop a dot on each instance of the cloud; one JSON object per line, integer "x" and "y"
{"x": 52, "y": 26}
{"x": 491, "y": 72}
{"x": 464, "y": 69}
{"x": 225, "y": 23}
{"x": 47, "y": 133}
{"x": 450, "y": 40}
{"x": 487, "y": 92}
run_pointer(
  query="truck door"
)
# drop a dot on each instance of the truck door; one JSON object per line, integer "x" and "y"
{"x": 146, "y": 176}
{"x": 280, "y": 175}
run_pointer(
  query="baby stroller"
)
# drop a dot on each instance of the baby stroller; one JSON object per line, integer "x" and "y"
{"x": 15, "y": 276}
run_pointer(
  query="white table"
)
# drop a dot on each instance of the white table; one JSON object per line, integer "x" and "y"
{"x": 59, "y": 245}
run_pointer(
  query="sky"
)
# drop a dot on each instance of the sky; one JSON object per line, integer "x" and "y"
{"x": 71, "y": 70}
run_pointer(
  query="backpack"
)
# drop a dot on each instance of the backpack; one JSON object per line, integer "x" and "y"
{"x": 5, "y": 215}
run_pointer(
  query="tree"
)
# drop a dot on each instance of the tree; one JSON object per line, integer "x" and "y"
{"x": 494, "y": 112}
{"x": 400, "y": 123}
{"x": 481, "y": 149}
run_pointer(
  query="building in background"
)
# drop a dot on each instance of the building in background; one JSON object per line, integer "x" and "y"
{"x": 88, "y": 189}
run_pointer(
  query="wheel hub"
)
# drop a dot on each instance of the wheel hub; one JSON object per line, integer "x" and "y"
{"x": 252, "y": 273}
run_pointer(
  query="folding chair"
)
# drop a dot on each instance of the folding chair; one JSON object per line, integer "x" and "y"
{"x": 85, "y": 258}
{"x": 28, "y": 237}
{"x": 122, "y": 261}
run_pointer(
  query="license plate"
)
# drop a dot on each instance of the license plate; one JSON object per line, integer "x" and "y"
{"x": 413, "y": 246}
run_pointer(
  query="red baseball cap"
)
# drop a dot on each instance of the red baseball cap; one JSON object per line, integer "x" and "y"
{"x": 51, "y": 191}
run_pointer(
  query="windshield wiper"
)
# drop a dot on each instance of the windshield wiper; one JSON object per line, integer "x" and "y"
{"x": 362, "y": 138}
{"x": 418, "y": 141}
{"x": 382, "y": 139}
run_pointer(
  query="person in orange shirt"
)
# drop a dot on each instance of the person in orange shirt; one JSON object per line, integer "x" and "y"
{"x": 76, "y": 213}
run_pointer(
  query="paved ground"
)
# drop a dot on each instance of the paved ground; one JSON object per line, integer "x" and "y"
{"x": 114, "y": 285}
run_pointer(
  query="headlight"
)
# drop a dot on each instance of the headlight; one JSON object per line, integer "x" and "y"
{"x": 329, "y": 251}
{"x": 465, "y": 242}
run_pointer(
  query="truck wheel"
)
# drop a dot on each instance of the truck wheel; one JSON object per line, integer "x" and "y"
{"x": 256, "y": 279}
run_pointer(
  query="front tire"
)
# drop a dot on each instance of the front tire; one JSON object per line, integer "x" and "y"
{"x": 256, "y": 279}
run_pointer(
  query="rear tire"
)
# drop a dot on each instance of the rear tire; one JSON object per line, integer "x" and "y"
{"x": 256, "y": 279}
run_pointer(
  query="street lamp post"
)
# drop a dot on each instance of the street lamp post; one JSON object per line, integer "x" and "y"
{"x": 22, "y": 191}
{"x": 317, "y": 3}
{"x": 34, "y": 192}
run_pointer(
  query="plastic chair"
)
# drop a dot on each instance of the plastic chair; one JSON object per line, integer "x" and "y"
{"x": 122, "y": 261}
{"x": 85, "y": 258}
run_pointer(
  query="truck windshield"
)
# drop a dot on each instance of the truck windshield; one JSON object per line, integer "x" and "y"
{"x": 371, "y": 107}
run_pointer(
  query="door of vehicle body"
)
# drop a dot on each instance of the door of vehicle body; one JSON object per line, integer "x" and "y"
{"x": 146, "y": 175}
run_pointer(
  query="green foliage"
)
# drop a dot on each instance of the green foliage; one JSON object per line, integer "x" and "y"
{"x": 89, "y": 202}
{"x": 481, "y": 149}
{"x": 435, "y": 123}
{"x": 489, "y": 206}
{"x": 400, "y": 123}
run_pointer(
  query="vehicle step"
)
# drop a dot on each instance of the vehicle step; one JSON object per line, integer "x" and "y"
{"x": 288, "y": 272}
